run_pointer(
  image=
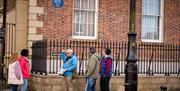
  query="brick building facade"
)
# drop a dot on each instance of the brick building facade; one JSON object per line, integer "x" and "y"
{"x": 113, "y": 20}
{"x": 37, "y": 19}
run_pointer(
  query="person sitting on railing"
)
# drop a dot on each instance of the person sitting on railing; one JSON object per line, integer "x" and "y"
{"x": 92, "y": 70}
{"x": 70, "y": 64}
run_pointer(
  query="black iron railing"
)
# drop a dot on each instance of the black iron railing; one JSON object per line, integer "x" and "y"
{"x": 153, "y": 58}
{"x": 39, "y": 57}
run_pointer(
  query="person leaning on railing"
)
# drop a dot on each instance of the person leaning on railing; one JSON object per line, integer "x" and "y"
{"x": 70, "y": 64}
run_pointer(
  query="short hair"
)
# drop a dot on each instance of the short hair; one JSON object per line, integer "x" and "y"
{"x": 107, "y": 51}
{"x": 24, "y": 52}
{"x": 92, "y": 50}
{"x": 69, "y": 50}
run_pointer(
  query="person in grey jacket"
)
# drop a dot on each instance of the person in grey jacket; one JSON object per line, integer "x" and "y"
{"x": 92, "y": 71}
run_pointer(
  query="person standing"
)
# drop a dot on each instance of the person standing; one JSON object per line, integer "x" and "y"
{"x": 14, "y": 72}
{"x": 105, "y": 70}
{"x": 70, "y": 64}
{"x": 92, "y": 70}
{"x": 25, "y": 68}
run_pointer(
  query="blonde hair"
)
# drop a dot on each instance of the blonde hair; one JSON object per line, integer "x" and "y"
{"x": 13, "y": 58}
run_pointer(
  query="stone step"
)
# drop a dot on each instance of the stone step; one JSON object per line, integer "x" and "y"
{"x": 5, "y": 89}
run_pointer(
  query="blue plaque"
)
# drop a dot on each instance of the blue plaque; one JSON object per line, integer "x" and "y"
{"x": 58, "y": 3}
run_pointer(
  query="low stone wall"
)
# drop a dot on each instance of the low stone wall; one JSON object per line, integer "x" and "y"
{"x": 145, "y": 83}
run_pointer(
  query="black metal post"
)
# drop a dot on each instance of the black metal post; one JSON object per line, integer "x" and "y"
{"x": 163, "y": 88}
{"x": 2, "y": 32}
{"x": 4, "y": 13}
{"x": 131, "y": 73}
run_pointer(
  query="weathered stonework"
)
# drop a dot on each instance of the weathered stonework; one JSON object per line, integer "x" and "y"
{"x": 35, "y": 10}
{"x": 33, "y": 3}
{"x": 32, "y": 17}
{"x": 36, "y": 24}
{"x": 33, "y": 23}
{"x": 145, "y": 83}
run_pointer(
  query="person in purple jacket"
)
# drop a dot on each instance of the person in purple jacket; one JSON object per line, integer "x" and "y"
{"x": 105, "y": 70}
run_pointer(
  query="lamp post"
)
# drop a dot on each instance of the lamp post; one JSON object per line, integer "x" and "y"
{"x": 131, "y": 73}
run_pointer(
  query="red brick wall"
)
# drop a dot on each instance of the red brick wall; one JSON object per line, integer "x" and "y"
{"x": 172, "y": 21}
{"x": 57, "y": 22}
{"x": 113, "y": 21}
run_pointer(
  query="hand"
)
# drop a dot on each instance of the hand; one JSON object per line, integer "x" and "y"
{"x": 62, "y": 71}
{"x": 65, "y": 70}
{"x": 98, "y": 54}
{"x": 18, "y": 76}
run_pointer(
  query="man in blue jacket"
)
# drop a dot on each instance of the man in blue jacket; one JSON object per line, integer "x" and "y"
{"x": 70, "y": 64}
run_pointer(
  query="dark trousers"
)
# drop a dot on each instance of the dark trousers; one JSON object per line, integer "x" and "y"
{"x": 104, "y": 83}
{"x": 14, "y": 87}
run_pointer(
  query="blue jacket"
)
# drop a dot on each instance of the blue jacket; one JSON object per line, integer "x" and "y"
{"x": 106, "y": 67}
{"x": 70, "y": 64}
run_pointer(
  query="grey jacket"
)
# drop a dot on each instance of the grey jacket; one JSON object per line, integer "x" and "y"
{"x": 93, "y": 66}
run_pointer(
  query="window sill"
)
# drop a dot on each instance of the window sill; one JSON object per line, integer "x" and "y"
{"x": 153, "y": 41}
{"x": 84, "y": 37}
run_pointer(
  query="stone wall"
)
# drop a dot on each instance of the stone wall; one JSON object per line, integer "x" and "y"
{"x": 145, "y": 83}
{"x": 33, "y": 23}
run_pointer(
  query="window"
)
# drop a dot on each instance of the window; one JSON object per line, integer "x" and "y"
{"x": 152, "y": 21}
{"x": 85, "y": 19}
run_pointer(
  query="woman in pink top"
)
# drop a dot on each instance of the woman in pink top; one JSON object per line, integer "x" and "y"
{"x": 24, "y": 64}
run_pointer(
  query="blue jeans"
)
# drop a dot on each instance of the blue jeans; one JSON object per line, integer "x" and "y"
{"x": 24, "y": 85}
{"x": 90, "y": 84}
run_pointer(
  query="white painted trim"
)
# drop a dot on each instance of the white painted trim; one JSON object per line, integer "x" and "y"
{"x": 95, "y": 23}
{"x": 148, "y": 40}
{"x": 80, "y": 18}
{"x": 72, "y": 18}
{"x": 161, "y": 30}
{"x": 84, "y": 37}
{"x": 162, "y": 22}
{"x": 96, "y": 19}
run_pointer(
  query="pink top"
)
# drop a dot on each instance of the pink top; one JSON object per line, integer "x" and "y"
{"x": 24, "y": 67}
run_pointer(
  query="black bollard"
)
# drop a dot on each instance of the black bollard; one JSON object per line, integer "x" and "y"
{"x": 163, "y": 88}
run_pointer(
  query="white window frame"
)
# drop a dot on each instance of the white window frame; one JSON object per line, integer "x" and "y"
{"x": 160, "y": 25}
{"x": 95, "y": 24}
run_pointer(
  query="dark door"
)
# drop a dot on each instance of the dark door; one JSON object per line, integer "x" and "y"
{"x": 1, "y": 62}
